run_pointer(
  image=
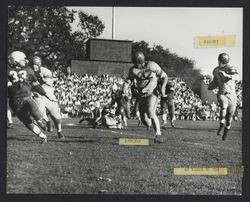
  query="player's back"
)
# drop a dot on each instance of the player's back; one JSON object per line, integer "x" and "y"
{"x": 21, "y": 80}
{"x": 225, "y": 85}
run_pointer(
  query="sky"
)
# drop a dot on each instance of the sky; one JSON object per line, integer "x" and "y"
{"x": 175, "y": 29}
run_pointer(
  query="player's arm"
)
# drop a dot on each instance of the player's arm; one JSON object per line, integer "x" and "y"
{"x": 47, "y": 76}
{"x": 35, "y": 85}
{"x": 214, "y": 83}
{"x": 233, "y": 76}
{"x": 128, "y": 82}
{"x": 162, "y": 77}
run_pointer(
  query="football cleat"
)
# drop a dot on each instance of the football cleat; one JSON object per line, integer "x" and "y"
{"x": 10, "y": 126}
{"x": 158, "y": 139}
{"x": 172, "y": 124}
{"x": 44, "y": 140}
{"x": 220, "y": 129}
{"x": 60, "y": 135}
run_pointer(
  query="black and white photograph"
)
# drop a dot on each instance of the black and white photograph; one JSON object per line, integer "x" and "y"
{"x": 124, "y": 100}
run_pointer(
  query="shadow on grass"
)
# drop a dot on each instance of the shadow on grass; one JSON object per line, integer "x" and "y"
{"x": 51, "y": 140}
{"x": 203, "y": 129}
{"x": 21, "y": 139}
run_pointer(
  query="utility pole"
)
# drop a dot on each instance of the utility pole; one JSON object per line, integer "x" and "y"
{"x": 113, "y": 23}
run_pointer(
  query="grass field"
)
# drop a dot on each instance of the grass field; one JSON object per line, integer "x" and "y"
{"x": 90, "y": 161}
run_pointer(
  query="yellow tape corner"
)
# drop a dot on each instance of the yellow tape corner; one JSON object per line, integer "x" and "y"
{"x": 133, "y": 141}
{"x": 214, "y": 41}
{"x": 201, "y": 171}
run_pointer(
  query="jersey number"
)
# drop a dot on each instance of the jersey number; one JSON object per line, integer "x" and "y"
{"x": 20, "y": 76}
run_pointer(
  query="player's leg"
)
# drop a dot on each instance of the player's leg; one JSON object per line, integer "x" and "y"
{"x": 55, "y": 112}
{"x": 126, "y": 113}
{"x": 164, "y": 112}
{"x": 171, "y": 109}
{"x": 223, "y": 111}
{"x": 229, "y": 116}
{"x": 24, "y": 116}
{"x": 9, "y": 117}
{"x": 42, "y": 109}
{"x": 151, "y": 112}
{"x": 143, "y": 105}
{"x": 49, "y": 123}
{"x": 120, "y": 113}
{"x": 137, "y": 112}
{"x": 123, "y": 117}
{"x": 32, "y": 107}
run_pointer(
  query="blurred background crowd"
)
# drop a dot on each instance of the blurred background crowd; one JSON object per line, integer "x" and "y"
{"x": 78, "y": 94}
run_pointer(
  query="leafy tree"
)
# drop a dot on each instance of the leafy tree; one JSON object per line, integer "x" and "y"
{"x": 91, "y": 25}
{"x": 46, "y": 31}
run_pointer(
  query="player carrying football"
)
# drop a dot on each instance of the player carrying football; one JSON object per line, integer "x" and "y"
{"x": 19, "y": 92}
{"x": 224, "y": 77}
{"x": 49, "y": 102}
{"x": 147, "y": 75}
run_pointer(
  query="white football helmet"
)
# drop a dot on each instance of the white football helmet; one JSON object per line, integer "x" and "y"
{"x": 17, "y": 58}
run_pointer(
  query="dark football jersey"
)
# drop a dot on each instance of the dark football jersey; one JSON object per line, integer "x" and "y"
{"x": 39, "y": 78}
{"x": 169, "y": 92}
{"x": 21, "y": 80}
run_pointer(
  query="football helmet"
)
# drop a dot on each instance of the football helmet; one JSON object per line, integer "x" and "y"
{"x": 36, "y": 63}
{"x": 17, "y": 58}
{"x": 171, "y": 85}
{"x": 138, "y": 58}
{"x": 223, "y": 58}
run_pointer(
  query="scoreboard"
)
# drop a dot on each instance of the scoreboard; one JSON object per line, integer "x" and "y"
{"x": 108, "y": 50}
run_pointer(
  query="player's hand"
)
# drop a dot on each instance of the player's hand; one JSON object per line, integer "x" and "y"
{"x": 35, "y": 95}
{"x": 225, "y": 74}
{"x": 164, "y": 95}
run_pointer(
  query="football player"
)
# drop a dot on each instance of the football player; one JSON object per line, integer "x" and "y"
{"x": 107, "y": 117}
{"x": 135, "y": 95}
{"x": 224, "y": 77}
{"x": 123, "y": 106}
{"x": 168, "y": 103}
{"x": 10, "y": 121}
{"x": 9, "y": 115}
{"x": 50, "y": 103}
{"x": 147, "y": 75}
{"x": 21, "y": 102}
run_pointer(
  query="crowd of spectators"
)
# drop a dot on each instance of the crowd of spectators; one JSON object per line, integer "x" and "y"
{"x": 84, "y": 93}
{"x": 188, "y": 105}
{"x": 87, "y": 91}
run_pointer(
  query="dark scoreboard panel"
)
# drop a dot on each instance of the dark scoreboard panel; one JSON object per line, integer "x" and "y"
{"x": 100, "y": 67}
{"x": 109, "y": 50}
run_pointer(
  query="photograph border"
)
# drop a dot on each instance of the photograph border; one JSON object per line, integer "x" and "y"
{"x": 89, "y": 197}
